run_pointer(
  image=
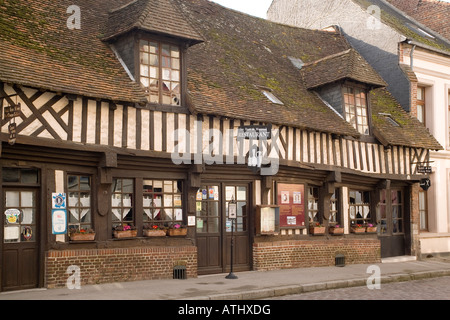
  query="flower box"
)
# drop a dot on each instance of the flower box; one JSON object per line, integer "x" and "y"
{"x": 125, "y": 234}
{"x": 336, "y": 230}
{"x": 82, "y": 237}
{"x": 371, "y": 229}
{"x": 154, "y": 233}
{"x": 177, "y": 232}
{"x": 317, "y": 230}
{"x": 358, "y": 230}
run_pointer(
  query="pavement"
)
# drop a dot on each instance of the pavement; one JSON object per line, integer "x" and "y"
{"x": 250, "y": 285}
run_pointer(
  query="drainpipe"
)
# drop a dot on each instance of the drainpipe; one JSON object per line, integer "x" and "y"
{"x": 412, "y": 54}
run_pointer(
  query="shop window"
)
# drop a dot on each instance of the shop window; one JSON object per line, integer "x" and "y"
{"x": 423, "y": 210}
{"x": 160, "y": 72}
{"x": 382, "y": 214}
{"x": 162, "y": 202}
{"x": 237, "y": 194}
{"x": 334, "y": 208}
{"x": 397, "y": 211}
{"x": 207, "y": 211}
{"x": 359, "y": 207}
{"x": 79, "y": 202}
{"x": 313, "y": 204}
{"x": 122, "y": 193}
{"x": 355, "y": 108}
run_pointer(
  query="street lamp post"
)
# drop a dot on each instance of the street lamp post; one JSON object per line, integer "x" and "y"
{"x": 232, "y": 206}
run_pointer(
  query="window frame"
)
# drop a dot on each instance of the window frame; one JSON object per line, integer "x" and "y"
{"x": 314, "y": 212}
{"x": 163, "y": 206}
{"x": 89, "y": 225}
{"x": 115, "y": 223}
{"x": 181, "y": 81}
{"x": 355, "y": 221}
{"x": 422, "y": 103}
{"x": 423, "y": 211}
{"x": 365, "y": 91}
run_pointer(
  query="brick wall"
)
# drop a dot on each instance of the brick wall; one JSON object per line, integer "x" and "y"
{"x": 314, "y": 253}
{"x": 119, "y": 264}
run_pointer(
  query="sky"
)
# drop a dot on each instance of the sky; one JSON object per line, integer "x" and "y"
{"x": 256, "y": 8}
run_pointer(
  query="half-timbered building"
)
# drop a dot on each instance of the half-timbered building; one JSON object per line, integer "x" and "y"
{"x": 125, "y": 115}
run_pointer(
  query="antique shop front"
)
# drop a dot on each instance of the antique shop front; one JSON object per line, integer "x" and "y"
{"x": 132, "y": 148}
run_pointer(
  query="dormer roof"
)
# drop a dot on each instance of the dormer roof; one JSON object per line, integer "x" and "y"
{"x": 154, "y": 16}
{"x": 345, "y": 65}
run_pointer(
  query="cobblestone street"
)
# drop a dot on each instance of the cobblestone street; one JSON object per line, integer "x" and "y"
{"x": 429, "y": 289}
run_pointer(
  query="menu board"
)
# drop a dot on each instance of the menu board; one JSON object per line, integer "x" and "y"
{"x": 291, "y": 199}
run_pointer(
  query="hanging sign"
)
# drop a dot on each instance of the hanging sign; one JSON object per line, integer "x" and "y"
{"x": 232, "y": 210}
{"x": 59, "y": 221}
{"x": 12, "y": 216}
{"x": 424, "y": 169}
{"x": 12, "y": 111}
{"x": 425, "y": 184}
{"x": 12, "y": 129}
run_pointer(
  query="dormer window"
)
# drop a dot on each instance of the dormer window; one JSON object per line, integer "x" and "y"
{"x": 356, "y": 112}
{"x": 160, "y": 72}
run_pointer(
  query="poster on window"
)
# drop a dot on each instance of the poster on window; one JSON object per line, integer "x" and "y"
{"x": 290, "y": 198}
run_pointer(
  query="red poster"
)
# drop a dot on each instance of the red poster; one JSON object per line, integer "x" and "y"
{"x": 291, "y": 199}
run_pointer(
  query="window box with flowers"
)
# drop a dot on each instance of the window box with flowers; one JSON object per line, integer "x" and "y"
{"x": 153, "y": 230}
{"x": 336, "y": 229}
{"x": 81, "y": 234}
{"x": 358, "y": 228}
{"x": 125, "y": 231}
{"x": 316, "y": 229}
{"x": 176, "y": 230}
{"x": 370, "y": 228}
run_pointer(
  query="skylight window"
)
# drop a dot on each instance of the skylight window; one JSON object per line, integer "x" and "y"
{"x": 421, "y": 31}
{"x": 269, "y": 95}
{"x": 389, "y": 119}
{"x": 298, "y": 63}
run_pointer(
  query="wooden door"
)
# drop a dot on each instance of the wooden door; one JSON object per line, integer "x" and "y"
{"x": 392, "y": 221}
{"x": 20, "y": 239}
{"x": 214, "y": 229}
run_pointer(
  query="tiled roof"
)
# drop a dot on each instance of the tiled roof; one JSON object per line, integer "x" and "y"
{"x": 406, "y": 25}
{"x": 243, "y": 54}
{"x": 157, "y": 16}
{"x": 240, "y": 56}
{"x": 405, "y": 131}
{"x": 348, "y": 64}
{"x": 39, "y": 50}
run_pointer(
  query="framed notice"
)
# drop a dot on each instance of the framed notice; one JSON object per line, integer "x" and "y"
{"x": 291, "y": 200}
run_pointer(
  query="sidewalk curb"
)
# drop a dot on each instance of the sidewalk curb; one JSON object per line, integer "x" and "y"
{"x": 311, "y": 287}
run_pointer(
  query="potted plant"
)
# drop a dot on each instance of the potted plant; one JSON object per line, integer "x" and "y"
{"x": 316, "y": 228}
{"x": 82, "y": 234}
{"x": 125, "y": 231}
{"x": 336, "y": 229}
{"x": 358, "y": 228}
{"x": 153, "y": 230}
{"x": 177, "y": 230}
{"x": 370, "y": 228}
